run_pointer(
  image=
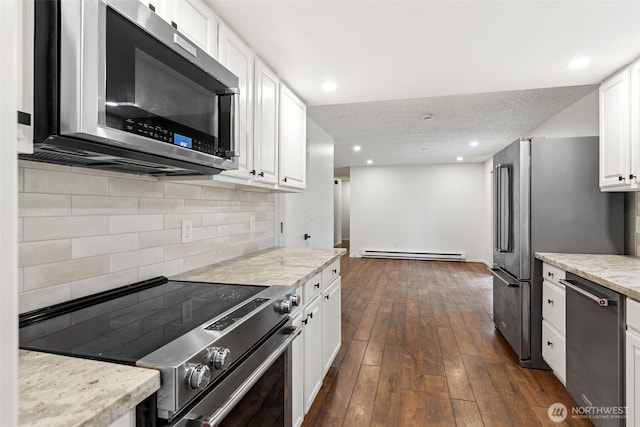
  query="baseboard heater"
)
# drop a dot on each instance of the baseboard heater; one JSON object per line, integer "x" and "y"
{"x": 440, "y": 256}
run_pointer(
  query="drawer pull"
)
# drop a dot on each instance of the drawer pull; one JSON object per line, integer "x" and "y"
{"x": 549, "y": 343}
{"x": 317, "y": 286}
{"x": 335, "y": 270}
{"x": 550, "y": 274}
{"x": 550, "y": 301}
{"x": 305, "y": 321}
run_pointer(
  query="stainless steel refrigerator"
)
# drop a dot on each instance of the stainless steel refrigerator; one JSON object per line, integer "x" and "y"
{"x": 546, "y": 199}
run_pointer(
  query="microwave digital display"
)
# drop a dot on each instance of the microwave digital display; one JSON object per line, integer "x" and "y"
{"x": 182, "y": 141}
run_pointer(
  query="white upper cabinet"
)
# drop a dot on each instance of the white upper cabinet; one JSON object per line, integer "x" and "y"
{"x": 619, "y": 130}
{"x": 265, "y": 137}
{"x": 193, "y": 19}
{"x": 292, "y": 140}
{"x": 25, "y": 79}
{"x": 239, "y": 59}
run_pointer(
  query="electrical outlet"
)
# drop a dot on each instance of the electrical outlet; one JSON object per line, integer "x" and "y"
{"x": 187, "y": 229}
{"x": 252, "y": 223}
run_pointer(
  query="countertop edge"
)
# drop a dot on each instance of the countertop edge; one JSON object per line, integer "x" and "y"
{"x": 99, "y": 405}
{"x": 551, "y": 259}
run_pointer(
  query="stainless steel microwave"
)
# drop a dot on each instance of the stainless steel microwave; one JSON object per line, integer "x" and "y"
{"x": 118, "y": 88}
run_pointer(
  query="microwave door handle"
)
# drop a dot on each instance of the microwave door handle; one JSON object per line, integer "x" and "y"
{"x": 234, "y": 112}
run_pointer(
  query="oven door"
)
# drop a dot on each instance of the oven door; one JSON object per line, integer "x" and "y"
{"x": 257, "y": 389}
{"x": 130, "y": 80}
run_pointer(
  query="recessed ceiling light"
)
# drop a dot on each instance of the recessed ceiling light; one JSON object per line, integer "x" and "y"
{"x": 473, "y": 143}
{"x": 578, "y": 63}
{"x": 369, "y": 162}
{"x": 329, "y": 86}
{"x": 356, "y": 148}
{"x": 459, "y": 158}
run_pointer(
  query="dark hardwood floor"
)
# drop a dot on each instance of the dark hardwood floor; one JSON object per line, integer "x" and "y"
{"x": 419, "y": 349}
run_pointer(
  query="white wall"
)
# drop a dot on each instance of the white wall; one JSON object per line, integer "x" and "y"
{"x": 488, "y": 197}
{"x": 579, "y": 119}
{"x": 311, "y": 211}
{"x": 419, "y": 208}
{"x": 9, "y": 30}
{"x": 345, "y": 209}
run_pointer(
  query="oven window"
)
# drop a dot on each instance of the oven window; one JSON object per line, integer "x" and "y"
{"x": 151, "y": 86}
{"x": 264, "y": 404}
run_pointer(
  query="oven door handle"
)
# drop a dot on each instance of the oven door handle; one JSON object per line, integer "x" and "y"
{"x": 238, "y": 394}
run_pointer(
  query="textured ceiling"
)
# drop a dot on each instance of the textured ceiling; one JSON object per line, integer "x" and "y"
{"x": 391, "y": 50}
{"x": 395, "y": 132}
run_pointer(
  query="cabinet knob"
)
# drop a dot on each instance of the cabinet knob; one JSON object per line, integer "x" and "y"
{"x": 631, "y": 176}
{"x": 550, "y": 301}
{"x": 284, "y": 180}
{"x": 550, "y": 274}
{"x": 549, "y": 343}
{"x": 317, "y": 286}
{"x": 326, "y": 297}
{"x": 621, "y": 178}
{"x": 261, "y": 174}
{"x": 253, "y": 172}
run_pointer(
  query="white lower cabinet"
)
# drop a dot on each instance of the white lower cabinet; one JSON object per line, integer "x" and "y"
{"x": 297, "y": 375}
{"x": 313, "y": 366}
{"x": 127, "y": 420}
{"x": 331, "y": 324}
{"x": 554, "y": 321}
{"x": 632, "y": 364}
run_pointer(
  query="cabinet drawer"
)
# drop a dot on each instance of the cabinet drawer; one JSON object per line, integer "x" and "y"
{"x": 554, "y": 350}
{"x": 553, "y": 274}
{"x": 331, "y": 272}
{"x": 312, "y": 288}
{"x": 553, "y": 305}
{"x": 633, "y": 315}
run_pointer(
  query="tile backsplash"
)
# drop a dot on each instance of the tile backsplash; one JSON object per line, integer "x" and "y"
{"x": 83, "y": 231}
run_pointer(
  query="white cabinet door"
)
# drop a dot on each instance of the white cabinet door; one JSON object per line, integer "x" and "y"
{"x": 292, "y": 140}
{"x": 332, "y": 324}
{"x": 239, "y": 59}
{"x": 632, "y": 377}
{"x": 297, "y": 375}
{"x": 614, "y": 131}
{"x": 634, "y": 117}
{"x": 193, "y": 19}
{"x": 265, "y": 143}
{"x": 313, "y": 368}
{"x": 25, "y": 77}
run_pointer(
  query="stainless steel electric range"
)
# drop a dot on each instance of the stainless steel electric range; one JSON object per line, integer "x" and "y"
{"x": 214, "y": 345}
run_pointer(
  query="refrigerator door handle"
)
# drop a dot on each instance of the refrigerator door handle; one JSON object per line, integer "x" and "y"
{"x": 503, "y": 208}
{"x": 500, "y": 275}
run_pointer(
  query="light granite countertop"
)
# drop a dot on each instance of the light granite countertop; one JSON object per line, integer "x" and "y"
{"x": 59, "y": 391}
{"x": 618, "y": 272}
{"x": 279, "y": 266}
{"x": 68, "y": 391}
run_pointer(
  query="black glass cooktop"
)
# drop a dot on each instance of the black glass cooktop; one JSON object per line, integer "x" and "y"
{"x": 126, "y": 324}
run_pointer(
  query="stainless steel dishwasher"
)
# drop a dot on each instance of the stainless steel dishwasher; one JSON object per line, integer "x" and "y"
{"x": 595, "y": 351}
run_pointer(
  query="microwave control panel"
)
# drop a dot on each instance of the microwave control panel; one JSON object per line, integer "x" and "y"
{"x": 161, "y": 133}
